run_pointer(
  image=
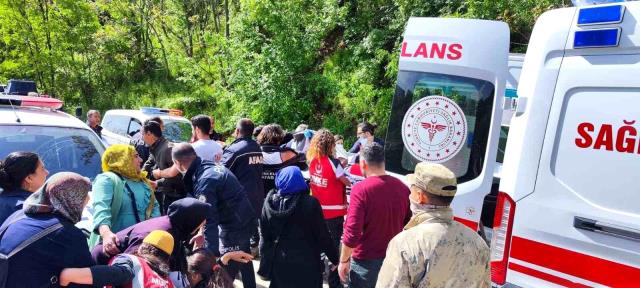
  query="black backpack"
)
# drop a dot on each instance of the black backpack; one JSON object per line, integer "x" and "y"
{"x": 4, "y": 258}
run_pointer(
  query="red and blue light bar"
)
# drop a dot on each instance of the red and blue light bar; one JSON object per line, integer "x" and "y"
{"x": 31, "y": 101}
{"x": 163, "y": 111}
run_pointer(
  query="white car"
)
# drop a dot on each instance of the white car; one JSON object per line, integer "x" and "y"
{"x": 63, "y": 142}
{"x": 120, "y": 125}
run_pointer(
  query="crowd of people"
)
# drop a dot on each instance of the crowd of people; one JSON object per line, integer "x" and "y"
{"x": 195, "y": 215}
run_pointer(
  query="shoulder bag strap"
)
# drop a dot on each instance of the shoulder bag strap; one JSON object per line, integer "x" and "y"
{"x": 132, "y": 196}
{"x": 10, "y": 221}
{"x": 35, "y": 238}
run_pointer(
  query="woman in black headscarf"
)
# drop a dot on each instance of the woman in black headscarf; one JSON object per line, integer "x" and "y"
{"x": 183, "y": 220}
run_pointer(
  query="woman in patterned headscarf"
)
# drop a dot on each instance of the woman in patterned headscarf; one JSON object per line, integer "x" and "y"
{"x": 122, "y": 196}
{"x": 47, "y": 218}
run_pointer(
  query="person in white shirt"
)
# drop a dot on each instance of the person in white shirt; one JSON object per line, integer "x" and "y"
{"x": 205, "y": 148}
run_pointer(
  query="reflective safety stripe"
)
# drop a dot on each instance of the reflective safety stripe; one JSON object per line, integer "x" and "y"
{"x": 334, "y": 207}
{"x": 138, "y": 278}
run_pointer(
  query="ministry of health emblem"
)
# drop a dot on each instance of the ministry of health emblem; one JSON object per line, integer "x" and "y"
{"x": 434, "y": 129}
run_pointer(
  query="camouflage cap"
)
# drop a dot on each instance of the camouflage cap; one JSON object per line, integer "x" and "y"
{"x": 434, "y": 179}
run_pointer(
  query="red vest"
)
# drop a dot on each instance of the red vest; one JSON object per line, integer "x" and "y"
{"x": 326, "y": 187}
{"x": 144, "y": 276}
{"x": 355, "y": 170}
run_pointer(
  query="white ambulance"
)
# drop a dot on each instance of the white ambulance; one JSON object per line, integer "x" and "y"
{"x": 447, "y": 107}
{"x": 568, "y": 213}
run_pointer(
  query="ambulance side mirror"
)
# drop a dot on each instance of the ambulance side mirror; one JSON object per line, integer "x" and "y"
{"x": 518, "y": 105}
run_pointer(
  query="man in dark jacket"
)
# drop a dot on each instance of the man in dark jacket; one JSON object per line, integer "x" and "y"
{"x": 231, "y": 220}
{"x": 244, "y": 158}
{"x": 93, "y": 121}
{"x": 169, "y": 189}
{"x": 138, "y": 142}
{"x": 184, "y": 218}
{"x": 213, "y": 135}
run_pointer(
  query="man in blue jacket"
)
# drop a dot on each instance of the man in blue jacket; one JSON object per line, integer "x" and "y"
{"x": 244, "y": 158}
{"x": 230, "y": 211}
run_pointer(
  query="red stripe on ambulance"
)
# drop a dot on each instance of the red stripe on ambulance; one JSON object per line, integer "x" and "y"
{"x": 572, "y": 263}
{"x": 468, "y": 223}
{"x": 544, "y": 276}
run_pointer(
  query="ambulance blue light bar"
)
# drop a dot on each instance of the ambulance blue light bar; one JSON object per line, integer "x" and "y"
{"x": 599, "y": 38}
{"x": 153, "y": 110}
{"x": 162, "y": 111}
{"x": 601, "y": 15}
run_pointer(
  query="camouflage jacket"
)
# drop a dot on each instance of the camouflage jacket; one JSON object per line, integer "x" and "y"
{"x": 435, "y": 251}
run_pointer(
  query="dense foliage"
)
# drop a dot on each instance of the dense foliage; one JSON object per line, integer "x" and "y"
{"x": 328, "y": 63}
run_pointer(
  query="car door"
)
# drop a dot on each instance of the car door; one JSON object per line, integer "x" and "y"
{"x": 447, "y": 106}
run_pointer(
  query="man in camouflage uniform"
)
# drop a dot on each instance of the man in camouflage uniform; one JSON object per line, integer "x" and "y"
{"x": 434, "y": 250}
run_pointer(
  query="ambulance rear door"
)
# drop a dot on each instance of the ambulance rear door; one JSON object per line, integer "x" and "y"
{"x": 581, "y": 224}
{"x": 447, "y": 107}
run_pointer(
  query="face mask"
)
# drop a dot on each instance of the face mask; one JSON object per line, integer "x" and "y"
{"x": 181, "y": 171}
{"x": 415, "y": 206}
{"x": 339, "y": 147}
{"x": 363, "y": 140}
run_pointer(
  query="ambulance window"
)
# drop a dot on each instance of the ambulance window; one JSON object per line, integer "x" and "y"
{"x": 474, "y": 99}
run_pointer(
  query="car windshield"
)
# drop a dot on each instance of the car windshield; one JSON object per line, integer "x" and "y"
{"x": 177, "y": 130}
{"x": 61, "y": 149}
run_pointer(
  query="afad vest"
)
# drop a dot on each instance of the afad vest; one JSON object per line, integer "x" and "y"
{"x": 269, "y": 170}
{"x": 144, "y": 276}
{"x": 326, "y": 187}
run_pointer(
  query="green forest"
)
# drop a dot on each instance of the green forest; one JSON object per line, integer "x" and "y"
{"x": 328, "y": 63}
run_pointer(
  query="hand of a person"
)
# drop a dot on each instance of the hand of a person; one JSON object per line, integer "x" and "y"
{"x": 110, "y": 243}
{"x": 238, "y": 256}
{"x": 156, "y": 174}
{"x": 64, "y": 278}
{"x": 197, "y": 241}
{"x": 343, "y": 271}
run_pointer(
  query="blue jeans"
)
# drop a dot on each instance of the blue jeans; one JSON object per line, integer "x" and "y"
{"x": 364, "y": 273}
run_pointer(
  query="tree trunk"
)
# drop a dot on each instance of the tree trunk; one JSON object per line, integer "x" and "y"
{"x": 226, "y": 18}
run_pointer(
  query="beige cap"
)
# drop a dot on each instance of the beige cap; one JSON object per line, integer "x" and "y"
{"x": 434, "y": 179}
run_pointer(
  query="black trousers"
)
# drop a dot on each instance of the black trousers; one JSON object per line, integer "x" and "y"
{"x": 234, "y": 241}
{"x": 246, "y": 270}
{"x": 335, "y": 226}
